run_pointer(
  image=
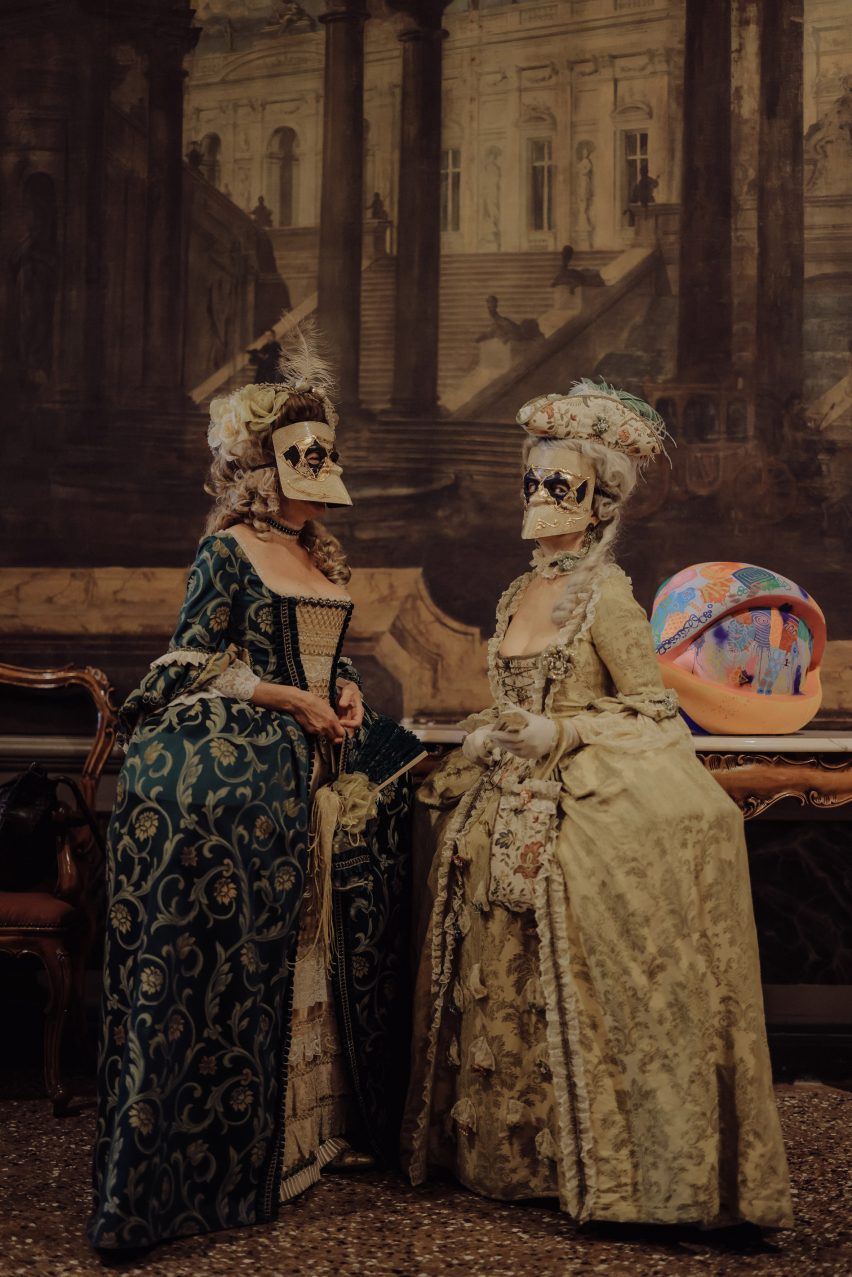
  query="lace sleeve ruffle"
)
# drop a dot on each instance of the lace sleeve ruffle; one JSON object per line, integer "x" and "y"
{"x": 238, "y": 680}
{"x": 184, "y": 675}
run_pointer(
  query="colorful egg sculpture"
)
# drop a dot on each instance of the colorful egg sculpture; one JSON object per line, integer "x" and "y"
{"x": 741, "y": 646}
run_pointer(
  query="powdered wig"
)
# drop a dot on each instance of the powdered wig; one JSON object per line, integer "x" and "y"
{"x": 246, "y": 495}
{"x": 615, "y": 478}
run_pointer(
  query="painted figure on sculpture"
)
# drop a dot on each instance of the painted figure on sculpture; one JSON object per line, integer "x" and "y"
{"x": 254, "y": 977}
{"x": 588, "y": 1014}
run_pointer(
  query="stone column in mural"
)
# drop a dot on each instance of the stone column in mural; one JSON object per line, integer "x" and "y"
{"x": 162, "y": 351}
{"x": 780, "y": 202}
{"x": 341, "y": 209}
{"x": 163, "y": 343}
{"x": 415, "y": 377}
{"x": 704, "y": 326}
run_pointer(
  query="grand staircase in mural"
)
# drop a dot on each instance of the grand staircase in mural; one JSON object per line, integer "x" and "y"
{"x": 522, "y": 283}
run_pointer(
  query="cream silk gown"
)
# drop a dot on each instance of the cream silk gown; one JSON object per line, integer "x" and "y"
{"x": 589, "y": 1019}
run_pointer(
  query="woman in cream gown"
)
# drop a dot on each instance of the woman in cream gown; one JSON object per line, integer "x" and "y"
{"x": 588, "y": 1020}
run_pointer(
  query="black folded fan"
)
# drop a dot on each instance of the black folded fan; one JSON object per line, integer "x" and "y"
{"x": 382, "y": 750}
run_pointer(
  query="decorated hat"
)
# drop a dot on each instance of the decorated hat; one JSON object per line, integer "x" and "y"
{"x": 597, "y": 411}
{"x": 742, "y": 646}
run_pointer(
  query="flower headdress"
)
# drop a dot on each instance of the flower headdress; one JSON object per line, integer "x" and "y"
{"x": 596, "y": 410}
{"x": 254, "y": 409}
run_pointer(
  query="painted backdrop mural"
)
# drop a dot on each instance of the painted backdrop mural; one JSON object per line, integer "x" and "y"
{"x": 658, "y": 193}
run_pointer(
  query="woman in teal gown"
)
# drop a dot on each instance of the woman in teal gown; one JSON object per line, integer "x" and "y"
{"x": 254, "y": 1021}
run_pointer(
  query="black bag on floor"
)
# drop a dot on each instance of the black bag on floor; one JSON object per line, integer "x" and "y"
{"x": 28, "y": 834}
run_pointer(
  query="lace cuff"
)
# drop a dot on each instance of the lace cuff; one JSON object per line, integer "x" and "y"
{"x": 237, "y": 680}
{"x": 184, "y": 675}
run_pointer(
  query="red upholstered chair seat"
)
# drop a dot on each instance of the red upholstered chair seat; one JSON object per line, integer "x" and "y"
{"x": 37, "y": 909}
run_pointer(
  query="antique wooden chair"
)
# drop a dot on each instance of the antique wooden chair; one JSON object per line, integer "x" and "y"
{"x": 57, "y": 924}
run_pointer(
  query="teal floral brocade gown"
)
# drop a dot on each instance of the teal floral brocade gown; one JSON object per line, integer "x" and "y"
{"x": 209, "y": 872}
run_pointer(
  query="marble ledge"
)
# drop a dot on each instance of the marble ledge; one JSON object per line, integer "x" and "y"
{"x": 805, "y": 742}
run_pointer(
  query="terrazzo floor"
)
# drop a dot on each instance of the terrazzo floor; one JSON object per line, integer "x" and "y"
{"x": 374, "y": 1224}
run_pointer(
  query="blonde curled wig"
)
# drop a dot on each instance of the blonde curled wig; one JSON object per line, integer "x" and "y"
{"x": 245, "y": 494}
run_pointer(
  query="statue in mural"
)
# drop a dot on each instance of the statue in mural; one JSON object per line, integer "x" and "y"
{"x": 376, "y": 208}
{"x": 586, "y": 189}
{"x": 261, "y": 213}
{"x": 242, "y": 182}
{"x": 591, "y": 894}
{"x": 573, "y": 277}
{"x": 828, "y": 148}
{"x": 507, "y": 330}
{"x": 490, "y": 194}
{"x": 289, "y": 16}
{"x": 258, "y": 792}
{"x": 221, "y": 311}
{"x": 644, "y": 187}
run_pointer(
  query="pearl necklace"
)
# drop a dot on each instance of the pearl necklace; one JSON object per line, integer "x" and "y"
{"x": 282, "y": 528}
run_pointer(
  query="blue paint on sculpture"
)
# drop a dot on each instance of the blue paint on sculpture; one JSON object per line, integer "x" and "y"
{"x": 768, "y": 637}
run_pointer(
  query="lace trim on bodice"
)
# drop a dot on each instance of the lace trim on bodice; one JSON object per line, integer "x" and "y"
{"x": 529, "y": 675}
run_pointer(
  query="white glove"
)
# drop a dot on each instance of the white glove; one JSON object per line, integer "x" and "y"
{"x": 524, "y": 734}
{"x": 478, "y": 747}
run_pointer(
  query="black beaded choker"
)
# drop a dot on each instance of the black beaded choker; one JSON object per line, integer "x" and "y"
{"x": 282, "y": 528}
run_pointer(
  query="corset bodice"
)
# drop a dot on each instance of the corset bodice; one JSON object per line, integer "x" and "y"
{"x": 521, "y": 682}
{"x": 295, "y": 639}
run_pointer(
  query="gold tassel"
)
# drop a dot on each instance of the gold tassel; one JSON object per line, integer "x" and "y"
{"x": 348, "y": 803}
{"x": 325, "y": 814}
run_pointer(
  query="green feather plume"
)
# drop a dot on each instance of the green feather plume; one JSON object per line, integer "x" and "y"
{"x": 644, "y": 410}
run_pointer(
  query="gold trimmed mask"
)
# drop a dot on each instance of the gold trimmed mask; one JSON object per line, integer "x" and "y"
{"x": 559, "y": 485}
{"x": 307, "y": 463}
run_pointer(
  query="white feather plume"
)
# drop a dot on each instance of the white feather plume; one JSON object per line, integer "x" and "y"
{"x": 304, "y": 362}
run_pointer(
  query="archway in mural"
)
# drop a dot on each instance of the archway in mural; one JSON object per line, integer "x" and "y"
{"x": 282, "y": 161}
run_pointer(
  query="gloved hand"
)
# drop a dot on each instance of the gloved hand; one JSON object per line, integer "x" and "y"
{"x": 524, "y": 734}
{"x": 478, "y": 747}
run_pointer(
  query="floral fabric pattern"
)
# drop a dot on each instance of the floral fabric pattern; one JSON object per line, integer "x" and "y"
{"x": 648, "y": 1061}
{"x": 207, "y": 869}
